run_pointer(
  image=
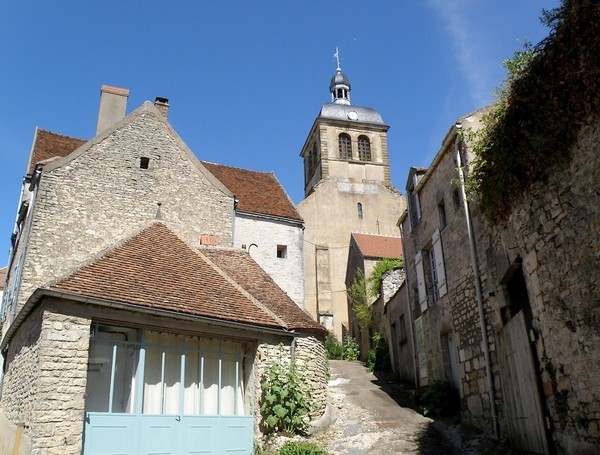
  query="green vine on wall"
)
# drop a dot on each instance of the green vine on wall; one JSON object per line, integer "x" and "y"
{"x": 551, "y": 91}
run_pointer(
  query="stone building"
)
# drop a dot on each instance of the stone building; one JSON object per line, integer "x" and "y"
{"x": 397, "y": 324}
{"x": 267, "y": 225}
{"x": 365, "y": 251}
{"x": 347, "y": 189}
{"x": 2, "y": 280}
{"x": 507, "y": 311}
{"x": 129, "y": 318}
{"x": 449, "y": 337}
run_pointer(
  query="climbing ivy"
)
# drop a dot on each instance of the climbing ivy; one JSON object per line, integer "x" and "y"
{"x": 551, "y": 91}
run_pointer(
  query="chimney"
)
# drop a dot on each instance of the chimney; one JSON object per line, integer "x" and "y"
{"x": 162, "y": 104}
{"x": 208, "y": 240}
{"x": 113, "y": 102}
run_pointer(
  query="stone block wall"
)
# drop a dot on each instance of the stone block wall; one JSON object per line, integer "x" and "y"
{"x": 103, "y": 196}
{"x": 455, "y": 315}
{"x": 287, "y": 272}
{"x": 554, "y": 230}
{"x": 46, "y": 375}
{"x": 312, "y": 362}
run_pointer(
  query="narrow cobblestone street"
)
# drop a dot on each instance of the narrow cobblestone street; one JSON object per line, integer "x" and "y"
{"x": 368, "y": 420}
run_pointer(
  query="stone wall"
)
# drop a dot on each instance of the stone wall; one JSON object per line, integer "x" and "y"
{"x": 452, "y": 322}
{"x": 312, "y": 362}
{"x": 103, "y": 196}
{"x": 46, "y": 376}
{"x": 554, "y": 230}
{"x": 287, "y": 272}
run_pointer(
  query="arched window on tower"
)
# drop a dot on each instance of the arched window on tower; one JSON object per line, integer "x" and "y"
{"x": 345, "y": 146}
{"x": 364, "y": 148}
{"x": 360, "y": 211}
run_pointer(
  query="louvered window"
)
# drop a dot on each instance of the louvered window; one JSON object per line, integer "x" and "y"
{"x": 364, "y": 148}
{"x": 345, "y": 146}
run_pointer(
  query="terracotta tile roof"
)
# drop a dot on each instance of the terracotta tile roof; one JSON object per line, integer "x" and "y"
{"x": 241, "y": 267}
{"x": 379, "y": 246}
{"x": 49, "y": 145}
{"x": 2, "y": 277}
{"x": 156, "y": 269}
{"x": 257, "y": 192}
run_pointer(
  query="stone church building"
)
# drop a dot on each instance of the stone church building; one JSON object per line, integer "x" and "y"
{"x": 347, "y": 189}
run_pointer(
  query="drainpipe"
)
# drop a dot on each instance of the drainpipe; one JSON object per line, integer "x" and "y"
{"x": 477, "y": 279}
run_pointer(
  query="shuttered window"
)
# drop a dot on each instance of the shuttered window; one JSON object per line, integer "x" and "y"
{"x": 440, "y": 269}
{"x": 422, "y": 290}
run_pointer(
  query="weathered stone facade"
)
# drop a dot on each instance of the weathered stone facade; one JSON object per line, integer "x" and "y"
{"x": 448, "y": 313}
{"x": 73, "y": 219}
{"x": 46, "y": 379}
{"x": 553, "y": 230}
{"x": 262, "y": 237}
{"x": 541, "y": 263}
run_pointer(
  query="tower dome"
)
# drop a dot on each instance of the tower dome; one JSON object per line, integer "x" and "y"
{"x": 340, "y": 84}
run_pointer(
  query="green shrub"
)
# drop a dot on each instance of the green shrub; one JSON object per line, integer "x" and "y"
{"x": 302, "y": 448}
{"x": 351, "y": 350}
{"x": 285, "y": 402}
{"x": 333, "y": 348}
{"x": 440, "y": 399}
{"x": 379, "y": 357}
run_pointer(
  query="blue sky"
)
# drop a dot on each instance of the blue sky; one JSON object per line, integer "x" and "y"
{"x": 246, "y": 79}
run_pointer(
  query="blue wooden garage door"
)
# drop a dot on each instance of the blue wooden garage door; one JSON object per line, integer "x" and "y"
{"x": 152, "y": 392}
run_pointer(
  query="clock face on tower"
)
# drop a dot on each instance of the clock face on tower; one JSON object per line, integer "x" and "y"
{"x": 352, "y": 115}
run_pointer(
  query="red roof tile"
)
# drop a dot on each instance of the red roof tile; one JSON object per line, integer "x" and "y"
{"x": 156, "y": 269}
{"x": 257, "y": 192}
{"x": 379, "y": 246}
{"x": 241, "y": 267}
{"x": 49, "y": 145}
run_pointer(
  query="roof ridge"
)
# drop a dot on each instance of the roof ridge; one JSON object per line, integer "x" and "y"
{"x": 236, "y": 167}
{"x": 250, "y": 297}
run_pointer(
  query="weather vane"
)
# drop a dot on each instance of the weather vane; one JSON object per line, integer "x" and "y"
{"x": 337, "y": 58}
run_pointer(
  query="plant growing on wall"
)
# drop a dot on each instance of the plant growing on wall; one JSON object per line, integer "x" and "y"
{"x": 285, "y": 402}
{"x": 380, "y": 269}
{"x": 551, "y": 91}
{"x": 358, "y": 298}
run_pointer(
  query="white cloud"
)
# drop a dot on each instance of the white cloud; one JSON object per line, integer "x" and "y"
{"x": 463, "y": 32}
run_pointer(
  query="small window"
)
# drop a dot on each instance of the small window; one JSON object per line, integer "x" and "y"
{"x": 345, "y": 146}
{"x": 364, "y": 148}
{"x": 442, "y": 214}
{"x": 144, "y": 162}
{"x": 281, "y": 251}
{"x": 456, "y": 198}
{"x": 360, "y": 210}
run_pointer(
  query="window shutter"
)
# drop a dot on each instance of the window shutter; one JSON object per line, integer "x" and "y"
{"x": 421, "y": 281}
{"x": 439, "y": 263}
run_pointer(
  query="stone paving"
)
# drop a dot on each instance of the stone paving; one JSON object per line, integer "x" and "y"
{"x": 366, "y": 420}
{"x": 373, "y": 417}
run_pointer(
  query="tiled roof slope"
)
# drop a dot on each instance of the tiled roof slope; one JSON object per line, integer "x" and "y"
{"x": 379, "y": 246}
{"x": 241, "y": 267}
{"x": 257, "y": 192}
{"x": 156, "y": 269}
{"x": 49, "y": 145}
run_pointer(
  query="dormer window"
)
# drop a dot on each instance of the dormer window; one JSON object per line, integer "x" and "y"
{"x": 345, "y": 146}
{"x": 364, "y": 148}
